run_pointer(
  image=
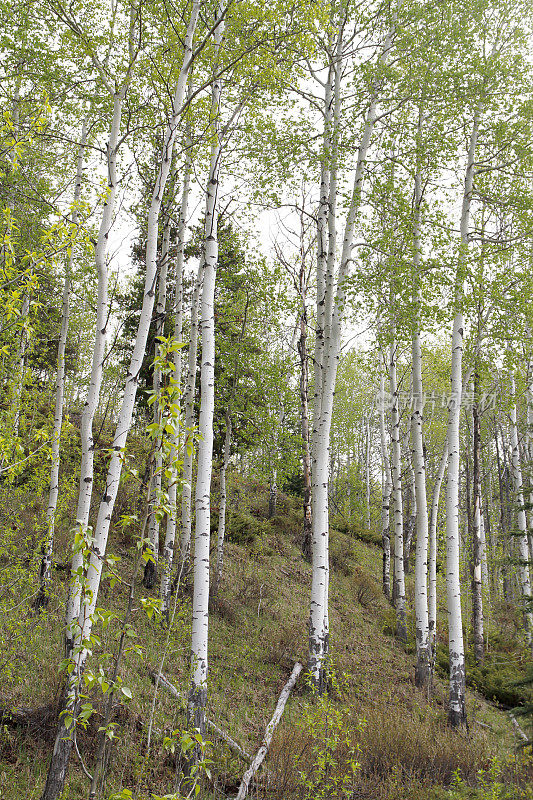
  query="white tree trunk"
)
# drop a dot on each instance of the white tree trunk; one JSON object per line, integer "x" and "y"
{"x": 386, "y": 492}
{"x": 91, "y": 580}
{"x": 188, "y": 402}
{"x": 95, "y": 380}
{"x": 326, "y": 369}
{"x": 457, "y": 710}
{"x": 522, "y": 542}
{"x": 432, "y": 568}
{"x": 200, "y": 602}
{"x": 48, "y": 545}
{"x": 423, "y": 660}
{"x": 367, "y": 472}
{"x": 397, "y": 506}
{"x": 477, "y": 526}
{"x": 170, "y": 535}
{"x": 271, "y": 727}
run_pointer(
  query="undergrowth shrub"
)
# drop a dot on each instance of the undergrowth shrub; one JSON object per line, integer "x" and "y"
{"x": 377, "y": 753}
{"x": 497, "y": 678}
{"x": 341, "y": 553}
{"x": 285, "y": 645}
{"x": 366, "y": 590}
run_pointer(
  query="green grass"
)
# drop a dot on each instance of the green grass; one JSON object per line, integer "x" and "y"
{"x": 258, "y": 628}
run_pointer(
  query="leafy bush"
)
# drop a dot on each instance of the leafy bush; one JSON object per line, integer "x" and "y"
{"x": 497, "y": 679}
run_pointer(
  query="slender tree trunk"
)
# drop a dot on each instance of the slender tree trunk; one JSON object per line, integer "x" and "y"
{"x": 397, "y": 506}
{"x": 432, "y": 570}
{"x": 95, "y": 380}
{"x": 386, "y": 493}
{"x": 91, "y": 580}
{"x": 150, "y": 569}
{"x": 200, "y": 602}
{"x": 457, "y": 710}
{"x": 48, "y": 544}
{"x": 20, "y": 371}
{"x": 367, "y": 473}
{"x": 423, "y": 648}
{"x": 522, "y": 542}
{"x": 326, "y": 360}
{"x": 304, "y": 416}
{"x": 477, "y": 541}
{"x": 188, "y": 402}
{"x": 170, "y": 536}
{"x": 222, "y": 506}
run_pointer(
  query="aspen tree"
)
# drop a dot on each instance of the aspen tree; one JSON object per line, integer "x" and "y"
{"x": 189, "y": 417}
{"x": 150, "y": 570}
{"x": 457, "y": 709}
{"x": 386, "y": 493}
{"x": 423, "y": 657}
{"x": 222, "y": 504}
{"x": 331, "y": 294}
{"x": 91, "y": 580}
{"x": 522, "y": 542}
{"x": 200, "y": 603}
{"x": 432, "y": 557}
{"x": 48, "y": 545}
{"x": 398, "y": 594}
{"x": 117, "y": 90}
{"x": 170, "y": 535}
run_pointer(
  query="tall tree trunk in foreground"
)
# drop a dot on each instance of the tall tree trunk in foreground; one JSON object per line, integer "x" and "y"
{"x": 48, "y": 544}
{"x": 423, "y": 650}
{"x": 457, "y": 709}
{"x": 95, "y": 380}
{"x": 522, "y": 543}
{"x": 91, "y": 580}
{"x": 200, "y": 603}
{"x": 326, "y": 360}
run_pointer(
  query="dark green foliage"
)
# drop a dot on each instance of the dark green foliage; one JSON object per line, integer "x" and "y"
{"x": 243, "y": 528}
{"x": 497, "y": 679}
{"x": 355, "y": 528}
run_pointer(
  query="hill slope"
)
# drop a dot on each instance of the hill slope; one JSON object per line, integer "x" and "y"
{"x": 375, "y": 736}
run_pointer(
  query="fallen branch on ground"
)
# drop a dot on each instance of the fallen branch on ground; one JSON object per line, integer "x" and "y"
{"x": 517, "y": 728}
{"x": 232, "y": 744}
{"x": 263, "y": 750}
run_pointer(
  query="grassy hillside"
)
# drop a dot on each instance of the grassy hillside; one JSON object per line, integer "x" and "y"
{"x": 375, "y": 736}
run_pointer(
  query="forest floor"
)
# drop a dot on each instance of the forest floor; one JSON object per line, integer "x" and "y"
{"x": 375, "y": 736}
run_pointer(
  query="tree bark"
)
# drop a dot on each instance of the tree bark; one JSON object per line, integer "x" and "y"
{"x": 397, "y": 506}
{"x": 432, "y": 568}
{"x": 150, "y": 569}
{"x": 457, "y": 709}
{"x": 386, "y": 493}
{"x": 170, "y": 535}
{"x": 200, "y": 602}
{"x": 423, "y": 649}
{"x": 522, "y": 542}
{"x": 48, "y": 545}
{"x": 90, "y": 579}
{"x": 477, "y": 541}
